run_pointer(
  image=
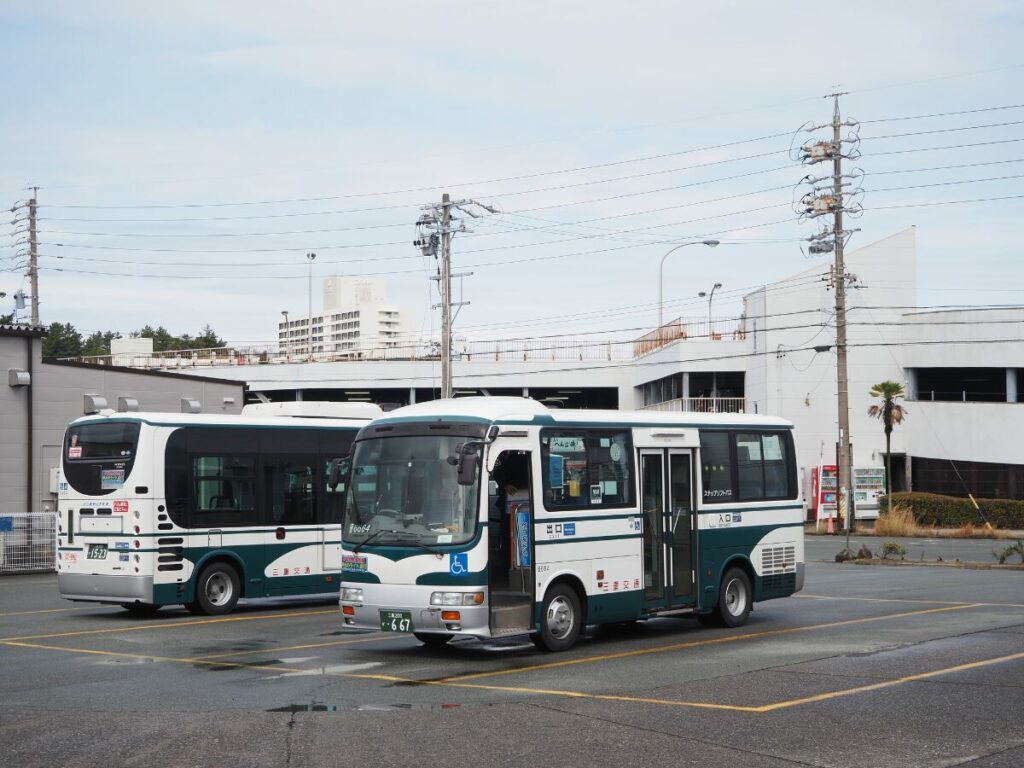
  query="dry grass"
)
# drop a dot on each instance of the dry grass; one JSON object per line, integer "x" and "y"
{"x": 901, "y": 522}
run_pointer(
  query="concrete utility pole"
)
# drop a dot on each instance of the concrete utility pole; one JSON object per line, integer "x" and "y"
{"x": 828, "y": 196}
{"x": 33, "y": 257}
{"x": 309, "y": 335}
{"x": 445, "y": 284}
{"x": 845, "y": 490}
{"x": 434, "y": 233}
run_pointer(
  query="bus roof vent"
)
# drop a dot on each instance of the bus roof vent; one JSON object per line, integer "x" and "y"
{"x": 93, "y": 404}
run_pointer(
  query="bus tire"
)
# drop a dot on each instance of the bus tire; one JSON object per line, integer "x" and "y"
{"x": 735, "y": 599}
{"x": 561, "y": 620}
{"x": 432, "y": 639}
{"x": 217, "y": 589}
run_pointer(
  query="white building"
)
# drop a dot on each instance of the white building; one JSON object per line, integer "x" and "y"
{"x": 963, "y": 370}
{"x": 356, "y": 323}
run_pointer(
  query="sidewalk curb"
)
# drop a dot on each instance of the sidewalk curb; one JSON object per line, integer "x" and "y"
{"x": 965, "y": 565}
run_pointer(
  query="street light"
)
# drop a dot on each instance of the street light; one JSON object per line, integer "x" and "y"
{"x": 661, "y": 275}
{"x": 287, "y": 336}
{"x": 311, "y": 257}
{"x": 710, "y": 296}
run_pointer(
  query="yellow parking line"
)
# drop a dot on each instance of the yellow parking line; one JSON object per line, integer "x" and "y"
{"x": 150, "y": 657}
{"x": 455, "y": 683}
{"x": 888, "y": 683}
{"x": 699, "y": 643}
{"x": 44, "y": 610}
{"x": 906, "y": 600}
{"x": 171, "y": 625}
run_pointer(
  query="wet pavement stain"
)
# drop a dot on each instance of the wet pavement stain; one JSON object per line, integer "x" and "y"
{"x": 237, "y": 665}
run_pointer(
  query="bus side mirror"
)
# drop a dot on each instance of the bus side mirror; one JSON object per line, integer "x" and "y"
{"x": 468, "y": 467}
{"x": 339, "y": 469}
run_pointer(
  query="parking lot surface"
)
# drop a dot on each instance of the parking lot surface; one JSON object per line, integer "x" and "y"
{"x": 869, "y": 666}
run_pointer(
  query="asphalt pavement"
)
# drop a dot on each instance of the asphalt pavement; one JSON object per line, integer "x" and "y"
{"x": 869, "y": 666}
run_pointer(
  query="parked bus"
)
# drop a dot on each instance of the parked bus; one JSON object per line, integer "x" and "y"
{"x": 497, "y": 516}
{"x": 163, "y": 508}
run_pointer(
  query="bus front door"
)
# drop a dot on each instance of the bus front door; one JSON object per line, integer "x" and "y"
{"x": 666, "y": 498}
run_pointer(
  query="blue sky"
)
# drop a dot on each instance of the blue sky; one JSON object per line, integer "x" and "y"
{"x": 200, "y": 105}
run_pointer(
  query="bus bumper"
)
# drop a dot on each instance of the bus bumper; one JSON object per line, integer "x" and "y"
{"x": 105, "y": 589}
{"x": 473, "y": 620}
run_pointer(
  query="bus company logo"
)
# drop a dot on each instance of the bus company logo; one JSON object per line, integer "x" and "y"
{"x": 353, "y": 563}
{"x": 120, "y": 506}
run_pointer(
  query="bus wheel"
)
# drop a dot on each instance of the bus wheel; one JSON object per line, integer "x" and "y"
{"x": 217, "y": 589}
{"x": 432, "y": 639}
{"x": 735, "y": 599}
{"x": 561, "y": 620}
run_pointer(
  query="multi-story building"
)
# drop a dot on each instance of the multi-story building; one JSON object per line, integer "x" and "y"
{"x": 357, "y": 323}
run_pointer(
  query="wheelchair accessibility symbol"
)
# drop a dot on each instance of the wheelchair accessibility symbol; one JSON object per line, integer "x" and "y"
{"x": 458, "y": 564}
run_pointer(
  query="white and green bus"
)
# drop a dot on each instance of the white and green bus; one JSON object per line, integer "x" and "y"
{"x": 494, "y": 516}
{"x": 201, "y": 510}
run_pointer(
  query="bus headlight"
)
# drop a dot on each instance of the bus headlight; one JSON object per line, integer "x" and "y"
{"x": 457, "y": 598}
{"x": 352, "y": 595}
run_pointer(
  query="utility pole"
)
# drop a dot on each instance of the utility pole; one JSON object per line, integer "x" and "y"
{"x": 435, "y": 231}
{"x": 828, "y": 196}
{"x": 445, "y": 285}
{"x": 309, "y": 335}
{"x": 33, "y": 257}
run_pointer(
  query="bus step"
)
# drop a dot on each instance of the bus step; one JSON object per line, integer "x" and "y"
{"x": 511, "y": 617}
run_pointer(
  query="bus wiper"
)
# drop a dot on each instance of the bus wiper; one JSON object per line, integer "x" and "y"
{"x": 414, "y": 541}
{"x": 371, "y": 537}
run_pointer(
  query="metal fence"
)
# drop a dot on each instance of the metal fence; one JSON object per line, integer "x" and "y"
{"x": 701, "y": 405}
{"x": 28, "y": 542}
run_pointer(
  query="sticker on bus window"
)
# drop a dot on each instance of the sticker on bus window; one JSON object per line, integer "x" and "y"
{"x": 75, "y": 452}
{"x": 595, "y": 493}
{"x": 556, "y": 471}
{"x": 568, "y": 444}
{"x": 111, "y": 479}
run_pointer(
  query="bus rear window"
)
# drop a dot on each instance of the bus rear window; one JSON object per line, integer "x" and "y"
{"x": 98, "y": 456}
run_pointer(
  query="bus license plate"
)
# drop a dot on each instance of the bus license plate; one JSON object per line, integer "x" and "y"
{"x": 97, "y": 552}
{"x": 395, "y": 621}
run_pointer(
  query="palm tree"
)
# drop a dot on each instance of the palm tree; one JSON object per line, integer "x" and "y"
{"x": 890, "y": 413}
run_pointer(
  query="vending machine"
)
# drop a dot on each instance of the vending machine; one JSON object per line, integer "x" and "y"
{"x": 868, "y": 486}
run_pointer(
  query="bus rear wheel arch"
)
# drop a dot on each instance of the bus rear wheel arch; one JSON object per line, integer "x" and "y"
{"x": 735, "y": 600}
{"x": 218, "y": 588}
{"x": 562, "y": 618}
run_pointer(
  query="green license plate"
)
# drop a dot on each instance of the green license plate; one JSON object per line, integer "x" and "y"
{"x": 97, "y": 552}
{"x": 395, "y": 621}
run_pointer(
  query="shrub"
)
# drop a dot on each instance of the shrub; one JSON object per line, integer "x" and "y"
{"x": 1016, "y": 548}
{"x": 893, "y": 549}
{"x": 957, "y": 512}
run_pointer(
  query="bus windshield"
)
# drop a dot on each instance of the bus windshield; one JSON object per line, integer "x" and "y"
{"x": 405, "y": 491}
{"x": 98, "y": 456}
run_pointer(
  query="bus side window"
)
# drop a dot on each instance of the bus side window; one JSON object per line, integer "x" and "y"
{"x": 288, "y": 484}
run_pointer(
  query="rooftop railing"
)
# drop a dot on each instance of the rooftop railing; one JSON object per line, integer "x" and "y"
{"x": 695, "y": 328}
